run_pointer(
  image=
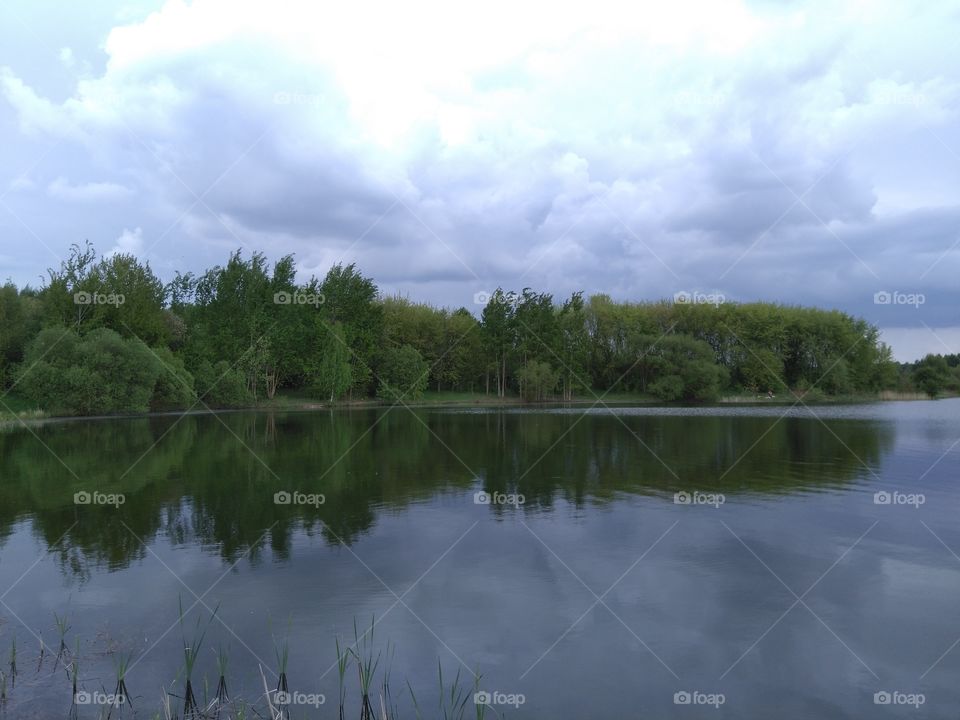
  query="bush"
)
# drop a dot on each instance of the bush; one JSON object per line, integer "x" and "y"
{"x": 174, "y": 389}
{"x": 761, "y": 370}
{"x": 96, "y": 374}
{"x": 668, "y": 388}
{"x": 538, "y": 380}
{"x": 221, "y": 386}
{"x": 680, "y": 368}
{"x": 836, "y": 378}
{"x": 932, "y": 375}
{"x": 403, "y": 374}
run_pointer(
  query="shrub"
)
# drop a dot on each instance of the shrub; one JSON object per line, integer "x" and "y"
{"x": 100, "y": 372}
{"x": 221, "y": 385}
{"x": 538, "y": 380}
{"x": 174, "y": 389}
{"x": 403, "y": 374}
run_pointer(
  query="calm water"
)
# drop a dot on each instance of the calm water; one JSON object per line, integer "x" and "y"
{"x": 782, "y": 585}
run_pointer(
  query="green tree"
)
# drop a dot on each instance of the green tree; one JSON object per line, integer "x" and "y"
{"x": 498, "y": 331}
{"x": 403, "y": 374}
{"x": 174, "y": 389}
{"x": 574, "y": 344}
{"x": 538, "y": 380}
{"x": 333, "y": 375}
{"x": 932, "y": 375}
{"x": 118, "y": 292}
{"x": 19, "y": 323}
{"x": 761, "y": 370}
{"x": 679, "y": 367}
{"x": 350, "y": 299}
{"x": 221, "y": 385}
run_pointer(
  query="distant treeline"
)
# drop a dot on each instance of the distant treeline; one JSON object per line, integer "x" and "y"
{"x": 106, "y": 335}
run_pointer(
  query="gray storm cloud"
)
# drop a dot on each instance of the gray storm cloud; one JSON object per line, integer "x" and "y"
{"x": 797, "y": 154}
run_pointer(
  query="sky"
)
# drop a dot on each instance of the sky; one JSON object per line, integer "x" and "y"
{"x": 798, "y": 152}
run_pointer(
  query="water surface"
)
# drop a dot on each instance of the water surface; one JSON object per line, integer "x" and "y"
{"x": 794, "y": 594}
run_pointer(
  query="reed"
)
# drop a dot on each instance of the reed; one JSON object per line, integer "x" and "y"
{"x": 343, "y": 663}
{"x": 121, "y": 694}
{"x": 191, "y": 651}
{"x": 387, "y": 706}
{"x": 375, "y": 678}
{"x": 13, "y": 662}
{"x": 62, "y": 629}
{"x": 282, "y": 652}
{"x": 366, "y": 666}
{"x": 221, "y": 696}
{"x": 74, "y": 677}
{"x": 453, "y": 703}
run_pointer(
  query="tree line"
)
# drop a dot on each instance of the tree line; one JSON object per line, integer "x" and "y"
{"x": 105, "y": 335}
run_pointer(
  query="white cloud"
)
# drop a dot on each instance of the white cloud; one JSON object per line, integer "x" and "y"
{"x": 130, "y": 242}
{"x": 21, "y": 184}
{"x": 87, "y": 192}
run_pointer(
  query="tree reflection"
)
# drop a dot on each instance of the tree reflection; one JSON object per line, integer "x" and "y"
{"x": 210, "y": 480}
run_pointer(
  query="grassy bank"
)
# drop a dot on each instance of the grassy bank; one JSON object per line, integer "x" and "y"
{"x": 13, "y": 406}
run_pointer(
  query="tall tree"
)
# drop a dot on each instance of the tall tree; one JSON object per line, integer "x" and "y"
{"x": 498, "y": 330}
{"x": 350, "y": 299}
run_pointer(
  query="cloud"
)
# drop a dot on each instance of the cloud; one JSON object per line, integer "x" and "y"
{"x": 798, "y": 153}
{"x": 130, "y": 242}
{"x": 87, "y": 192}
{"x": 21, "y": 184}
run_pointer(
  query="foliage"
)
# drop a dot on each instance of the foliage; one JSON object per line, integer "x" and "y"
{"x": 221, "y": 385}
{"x": 174, "y": 389}
{"x": 403, "y": 374}
{"x": 350, "y": 299}
{"x": 118, "y": 292}
{"x": 334, "y": 375}
{"x": 243, "y": 330}
{"x": 538, "y": 380}
{"x": 932, "y": 375}
{"x": 19, "y": 323}
{"x": 98, "y": 373}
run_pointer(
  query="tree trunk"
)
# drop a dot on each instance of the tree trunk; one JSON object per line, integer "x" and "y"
{"x": 503, "y": 384}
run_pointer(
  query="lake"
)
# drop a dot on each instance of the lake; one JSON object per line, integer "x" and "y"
{"x": 718, "y": 562}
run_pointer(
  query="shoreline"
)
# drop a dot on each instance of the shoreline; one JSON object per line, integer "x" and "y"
{"x": 287, "y": 404}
